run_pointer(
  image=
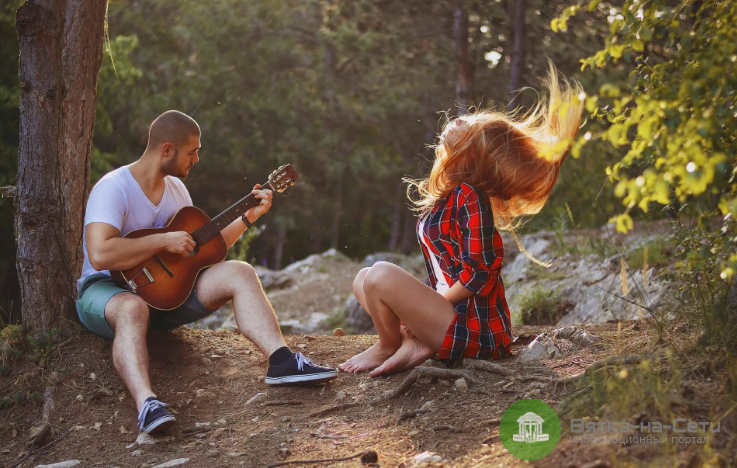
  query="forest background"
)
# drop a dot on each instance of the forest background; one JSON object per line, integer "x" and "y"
{"x": 354, "y": 93}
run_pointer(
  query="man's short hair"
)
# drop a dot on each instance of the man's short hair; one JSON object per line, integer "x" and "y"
{"x": 172, "y": 127}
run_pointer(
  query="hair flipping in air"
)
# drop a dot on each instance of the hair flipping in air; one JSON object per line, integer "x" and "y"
{"x": 514, "y": 160}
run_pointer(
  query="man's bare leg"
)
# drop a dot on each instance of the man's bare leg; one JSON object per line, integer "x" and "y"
{"x": 393, "y": 295}
{"x": 237, "y": 281}
{"x": 128, "y": 316}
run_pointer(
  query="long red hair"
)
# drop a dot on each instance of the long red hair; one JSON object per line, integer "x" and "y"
{"x": 514, "y": 160}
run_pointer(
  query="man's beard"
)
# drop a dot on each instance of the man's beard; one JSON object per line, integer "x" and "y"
{"x": 171, "y": 167}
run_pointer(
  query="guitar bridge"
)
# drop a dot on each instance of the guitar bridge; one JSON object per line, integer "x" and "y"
{"x": 132, "y": 282}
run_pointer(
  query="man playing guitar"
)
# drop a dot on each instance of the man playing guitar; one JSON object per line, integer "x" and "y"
{"x": 147, "y": 194}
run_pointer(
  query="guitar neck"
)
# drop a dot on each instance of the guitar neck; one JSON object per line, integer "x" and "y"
{"x": 221, "y": 221}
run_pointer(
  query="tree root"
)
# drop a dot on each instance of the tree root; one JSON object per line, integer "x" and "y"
{"x": 419, "y": 372}
{"x": 486, "y": 366}
{"x": 331, "y": 409}
{"x": 41, "y": 432}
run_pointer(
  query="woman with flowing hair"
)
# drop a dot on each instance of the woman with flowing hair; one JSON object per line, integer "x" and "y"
{"x": 490, "y": 169}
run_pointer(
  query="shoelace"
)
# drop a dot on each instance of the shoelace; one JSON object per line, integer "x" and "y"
{"x": 301, "y": 360}
{"x": 148, "y": 406}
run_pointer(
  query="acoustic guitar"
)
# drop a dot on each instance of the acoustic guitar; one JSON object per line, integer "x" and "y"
{"x": 165, "y": 280}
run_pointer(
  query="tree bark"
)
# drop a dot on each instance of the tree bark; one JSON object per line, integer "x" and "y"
{"x": 281, "y": 240}
{"x": 397, "y": 217}
{"x": 60, "y": 59}
{"x": 518, "y": 58}
{"x": 337, "y": 210}
{"x": 464, "y": 83}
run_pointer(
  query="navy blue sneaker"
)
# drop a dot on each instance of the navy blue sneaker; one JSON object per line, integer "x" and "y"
{"x": 299, "y": 369}
{"x": 154, "y": 417}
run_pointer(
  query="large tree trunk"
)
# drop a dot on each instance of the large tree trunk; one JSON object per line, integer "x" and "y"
{"x": 337, "y": 210}
{"x": 464, "y": 83}
{"x": 60, "y": 58}
{"x": 518, "y": 57}
{"x": 397, "y": 217}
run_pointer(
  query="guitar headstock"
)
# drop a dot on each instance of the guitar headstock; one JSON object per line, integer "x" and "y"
{"x": 283, "y": 178}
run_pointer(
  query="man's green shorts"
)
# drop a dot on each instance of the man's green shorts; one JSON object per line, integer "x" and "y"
{"x": 96, "y": 290}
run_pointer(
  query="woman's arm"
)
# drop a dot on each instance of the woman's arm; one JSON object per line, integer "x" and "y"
{"x": 457, "y": 293}
{"x": 480, "y": 262}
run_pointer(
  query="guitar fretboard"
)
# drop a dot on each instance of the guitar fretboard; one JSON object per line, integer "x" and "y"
{"x": 221, "y": 221}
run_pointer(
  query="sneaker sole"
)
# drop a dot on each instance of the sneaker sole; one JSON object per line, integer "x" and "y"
{"x": 160, "y": 425}
{"x": 309, "y": 378}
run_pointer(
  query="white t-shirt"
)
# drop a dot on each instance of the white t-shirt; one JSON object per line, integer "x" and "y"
{"x": 119, "y": 201}
{"x": 441, "y": 285}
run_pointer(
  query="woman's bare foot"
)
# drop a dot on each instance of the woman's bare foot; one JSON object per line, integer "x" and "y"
{"x": 372, "y": 357}
{"x": 411, "y": 354}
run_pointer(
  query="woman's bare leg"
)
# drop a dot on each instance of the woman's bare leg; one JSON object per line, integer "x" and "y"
{"x": 389, "y": 338}
{"x": 393, "y": 295}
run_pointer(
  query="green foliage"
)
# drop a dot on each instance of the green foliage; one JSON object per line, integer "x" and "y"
{"x": 675, "y": 121}
{"x": 616, "y": 393}
{"x": 655, "y": 252}
{"x": 11, "y": 342}
{"x": 239, "y": 250}
{"x": 43, "y": 344}
{"x": 543, "y": 307}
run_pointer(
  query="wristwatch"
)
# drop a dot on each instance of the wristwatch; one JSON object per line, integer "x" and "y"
{"x": 247, "y": 222}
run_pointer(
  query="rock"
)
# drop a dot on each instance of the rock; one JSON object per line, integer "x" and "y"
{"x": 286, "y": 418}
{"x": 137, "y": 453}
{"x": 428, "y": 405}
{"x": 222, "y": 421}
{"x": 202, "y": 424}
{"x": 272, "y": 280}
{"x": 212, "y": 453}
{"x": 175, "y": 462}
{"x": 202, "y": 393}
{"x": 257, "y": 398}
{"x": 235, "y": 454}
{"x": 284, "y": 452}
{"x": 64, "y": 464}
{"x": 461, "y": 385}
{"x": 145, "y": 439}
{"x": 357, "y": 318}
{"x": 575, "y": 335}
{"x": 542, "y": 347}
{"x": 338, "y": 332}
{"x": 340, "y": 395}
{"x": 425, "y": 457}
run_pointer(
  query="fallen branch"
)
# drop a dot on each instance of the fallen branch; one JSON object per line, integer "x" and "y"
{"x": 331, "y": 409}
{"x": 627, "y": 360}
{"x": 493, "y": 422}
{"x": 490, "y": 439}
{"x": 282, "y": 403}
{"x": 195, "y": 430}
{"x": 34, "y": 452}
{"x": 419, "y": 372}
{"x": 368, "y": 456}
{"x": 411, "y": 414}
{"x": 41, "y": 432}
{"x": 447, "y": 428}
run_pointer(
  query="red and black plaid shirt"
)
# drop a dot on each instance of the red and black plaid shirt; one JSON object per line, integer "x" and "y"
{"x": 461, "y": 232}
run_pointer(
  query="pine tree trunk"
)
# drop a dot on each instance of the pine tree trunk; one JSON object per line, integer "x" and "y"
{"x": 60, "y": 59}
{"x": 464, "y": 82}
{"x": 518, "y": 58}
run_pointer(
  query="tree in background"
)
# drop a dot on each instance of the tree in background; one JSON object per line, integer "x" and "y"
{"x": 60, "y": 57}
{"x": 674, "y": 122}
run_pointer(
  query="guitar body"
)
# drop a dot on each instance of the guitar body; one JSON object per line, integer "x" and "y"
{"x": 166, "y": 280}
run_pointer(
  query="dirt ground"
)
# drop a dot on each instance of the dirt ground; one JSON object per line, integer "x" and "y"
{"x": 208, "y": 377}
